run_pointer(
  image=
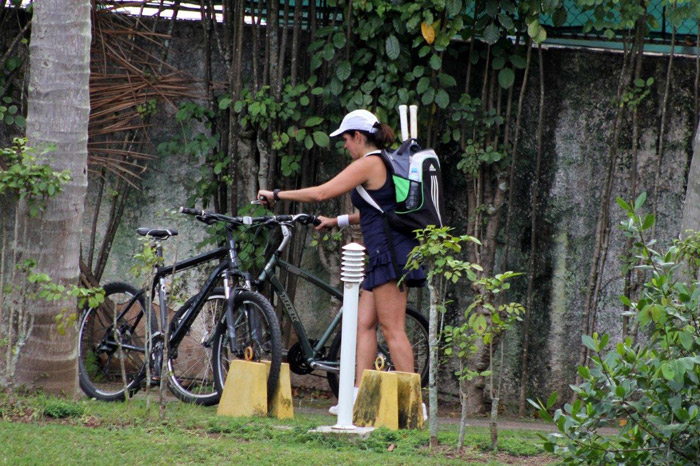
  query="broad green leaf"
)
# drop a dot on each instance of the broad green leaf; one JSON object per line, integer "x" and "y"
{"x": 339, "y": 40}
{"x": 446, "y": 80}
{"x": 498, "y": 63}
{"x": 423, "y": 84}
{"x": 442, "y": 99}
{"x": 321, "y": 139}
{"x": 343, "y": 71}
{"x": 667, "y": 371}
{"x": 316, "y": 61}
{"x": 428, "y": 97}
{"x": 641, "y": 199}
{"x": 435, "y": 62}
{"x": 505, "y": 21}
{"x": 506, "y": 78}
{"x": 454, "y": 7}
{"x": 313, "y": 121}
{"x": 589, "y": 343}
{"x": 533, "y": 29}
{"x": 648, "y": 221}
{"x": 336, "y": 87}
{"x": 518, "y": 61}
{"x": 328, "y": 52}
{"x": 393, "y": 48}
{"x": 623, "y": 204}
{"x": 491, "y": 34}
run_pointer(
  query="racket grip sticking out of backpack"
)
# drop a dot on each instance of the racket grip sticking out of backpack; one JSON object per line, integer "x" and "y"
{"x": 413, "y": 109}
{"x": 403, "y": 115}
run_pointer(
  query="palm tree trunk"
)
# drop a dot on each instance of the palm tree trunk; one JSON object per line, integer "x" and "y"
{"x": 58, "y": 113}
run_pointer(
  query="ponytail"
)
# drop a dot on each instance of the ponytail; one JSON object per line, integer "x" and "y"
{"x": 383, "y": 137}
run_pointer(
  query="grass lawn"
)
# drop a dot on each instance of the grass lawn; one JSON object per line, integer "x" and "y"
{"x": 54, "y": 431}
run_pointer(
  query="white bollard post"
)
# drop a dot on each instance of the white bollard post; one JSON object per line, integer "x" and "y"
{"x": 352, "y": 274}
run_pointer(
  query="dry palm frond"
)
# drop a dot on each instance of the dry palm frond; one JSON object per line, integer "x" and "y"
{"x": 127, "y": 79}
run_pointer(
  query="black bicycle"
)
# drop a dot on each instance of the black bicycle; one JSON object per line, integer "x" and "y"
{"x": 308, "y": 355}
{"x": 225, "y": 320}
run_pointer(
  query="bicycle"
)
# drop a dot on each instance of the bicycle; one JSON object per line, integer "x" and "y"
{"x": 225, "y": 320}
{"x": 307, "y": 355}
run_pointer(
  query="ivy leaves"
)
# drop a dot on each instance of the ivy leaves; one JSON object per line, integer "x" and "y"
{"x": 393, "y": 48}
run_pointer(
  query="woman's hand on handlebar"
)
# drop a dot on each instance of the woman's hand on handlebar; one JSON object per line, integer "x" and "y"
{"x": 266, "y": 197}
{"x": 326, "y": 222}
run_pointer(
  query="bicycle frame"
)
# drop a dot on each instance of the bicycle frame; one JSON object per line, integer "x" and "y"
{"x": 268, "y": 274}
{"x": 226, "y": 269}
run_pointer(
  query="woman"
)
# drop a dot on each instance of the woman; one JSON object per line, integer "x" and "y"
{"x": 382, "y": 301}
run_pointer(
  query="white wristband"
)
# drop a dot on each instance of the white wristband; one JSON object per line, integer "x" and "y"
{"x": 343, "y": 221}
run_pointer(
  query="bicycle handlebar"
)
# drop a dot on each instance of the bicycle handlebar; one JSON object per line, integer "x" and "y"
{"x": 212, "y": 217}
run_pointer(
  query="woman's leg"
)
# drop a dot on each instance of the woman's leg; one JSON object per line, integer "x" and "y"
{"x": 390, "y": 305}
{"x": 366, "y": 335}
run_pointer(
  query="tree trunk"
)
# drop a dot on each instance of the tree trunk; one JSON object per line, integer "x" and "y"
{"x": 691, "y": 205}
{"x": 58, "y": 112}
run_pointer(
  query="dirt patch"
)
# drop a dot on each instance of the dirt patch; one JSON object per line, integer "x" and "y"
{"x": 469, "y": 455}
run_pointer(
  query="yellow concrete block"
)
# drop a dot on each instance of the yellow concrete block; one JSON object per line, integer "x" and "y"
{"x": 282, "y": 405}
{"x": 245, "y": 390}
{"x": 376, "y": 404}
{"x": 410, "y": 400}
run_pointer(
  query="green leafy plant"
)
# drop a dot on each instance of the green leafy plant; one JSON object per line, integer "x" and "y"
{"x": 23, "y": 178}
{"x": 483, "y": 321}
{"x": 649, "y": 387}
{"x": 61, "y": 409}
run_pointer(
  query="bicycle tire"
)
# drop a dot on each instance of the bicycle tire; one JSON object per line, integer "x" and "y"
{"x": 191, "y": 372}
{"x": 99, "y": 367}
{"x": 417, "y": 332}
{"x": 257, "y": 328}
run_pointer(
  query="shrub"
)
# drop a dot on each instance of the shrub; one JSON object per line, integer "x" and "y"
{"x": 650, "y": 387}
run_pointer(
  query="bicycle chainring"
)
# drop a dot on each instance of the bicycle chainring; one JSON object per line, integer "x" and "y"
{"x": 297, "y": 361}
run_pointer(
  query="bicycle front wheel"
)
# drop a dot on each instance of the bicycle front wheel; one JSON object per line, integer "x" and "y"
{"x": 190, "y": 368}
{"x": 417, "y": 332}
{"x": 257, "y": 338}
{"x": 112, "y": 333}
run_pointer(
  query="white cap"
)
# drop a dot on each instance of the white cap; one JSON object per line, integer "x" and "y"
{"x": 359, "y": 120}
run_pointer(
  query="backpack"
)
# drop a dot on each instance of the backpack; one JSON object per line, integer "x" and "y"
{"x": 418, "y": 184}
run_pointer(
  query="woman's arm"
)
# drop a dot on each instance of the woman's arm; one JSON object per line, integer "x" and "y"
{"x": 330, "y": 222}
{"x": 355, "y": 174}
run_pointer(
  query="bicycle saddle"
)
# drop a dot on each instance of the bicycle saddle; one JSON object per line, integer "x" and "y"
{"x": 160, "y": 233}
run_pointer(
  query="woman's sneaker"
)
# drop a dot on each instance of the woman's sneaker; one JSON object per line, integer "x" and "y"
{"x": 334, "y": 409}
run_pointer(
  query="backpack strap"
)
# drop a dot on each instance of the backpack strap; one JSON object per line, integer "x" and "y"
{"x": 363, "y": 192}
{"x": 368, "y": 198}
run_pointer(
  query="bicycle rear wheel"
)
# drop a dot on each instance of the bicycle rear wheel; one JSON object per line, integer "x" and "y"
{"x": 417, "y": 332}
{"x": 99, "y": 356}
{"x": 257, "y": 338}
{"x": 191, "y": 372}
